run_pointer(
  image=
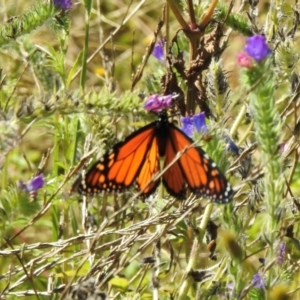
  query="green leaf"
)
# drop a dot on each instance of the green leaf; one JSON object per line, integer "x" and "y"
{"x": 119, "y": 283}
{"x": 75, "y": 67}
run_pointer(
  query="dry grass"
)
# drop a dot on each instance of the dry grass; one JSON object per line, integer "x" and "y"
{"x": 59, "y": 245}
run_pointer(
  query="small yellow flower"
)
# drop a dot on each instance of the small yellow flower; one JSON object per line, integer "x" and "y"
{"x": 99, "y": 71}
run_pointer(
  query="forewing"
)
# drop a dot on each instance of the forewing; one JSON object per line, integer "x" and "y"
{"x": 150, "y": 167}
{"x": 195, "y": 168}
{"x": 119, "y": 168}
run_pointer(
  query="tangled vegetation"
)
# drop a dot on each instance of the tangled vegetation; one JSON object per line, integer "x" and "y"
{"x": 74, "y": 77}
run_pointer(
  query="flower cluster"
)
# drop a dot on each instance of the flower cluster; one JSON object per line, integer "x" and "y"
{"x": 281, "y": 254}
{"x": 258, "y": 281}
{"x": 190, "y": 124}
{"x": 195, "y": 123}
{"x": 156, "y": 103}
{"x": 256, "y": 49}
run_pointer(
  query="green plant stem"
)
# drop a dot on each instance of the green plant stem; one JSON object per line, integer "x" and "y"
{"x": 246, "y": 134}
{"x": 268, "y": 127}
{"x": 194, "y": 257}
{"x": 159, "y": 228}
{"x": 88, "y": 6}
{"x": 56, "y": 149}
{"x": 4, "y": 173}
{"x": 238, "y": 120}
{"x": 221, "y": 270}
{"x": 75, "y": 142}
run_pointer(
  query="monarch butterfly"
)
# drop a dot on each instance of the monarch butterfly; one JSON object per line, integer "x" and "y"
{"x": 137, "y": 159}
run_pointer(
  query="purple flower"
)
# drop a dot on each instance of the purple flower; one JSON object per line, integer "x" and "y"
{"x": 156, "y": 103}
{"x": 281, "y": 255}
{"x": 199, "y": 122}
{"x": 35, "y": 184}
{"x": 195, "y": 123}
{"x": 258, "y": 281}
{"x": 187, "y": 126}
{"x": 158, "y": 51}
{"x": 257, "y": 47}
{"x": 63, "y": 4}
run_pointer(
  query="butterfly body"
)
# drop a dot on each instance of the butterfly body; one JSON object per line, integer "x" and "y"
{"x": 137, "y": 160}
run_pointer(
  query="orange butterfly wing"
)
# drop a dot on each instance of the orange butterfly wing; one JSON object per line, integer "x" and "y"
{"x": 136, "y": 158}
{"x": 149, "y": 169}
{"x": 194, "y": 168}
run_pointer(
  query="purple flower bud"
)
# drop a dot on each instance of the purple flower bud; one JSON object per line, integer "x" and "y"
{"x": 187, "y": 126}
{"x": 158, "y": 51}
{"x": 258, "y": 281}
{"x": 36, "y": 183}
{"x": 156, "y": 103}
{"x": 257, "y": 47}
{"x": 281, "y": 255}
{"x": 199, "y": 122}
{"x": 63, "y": 4}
